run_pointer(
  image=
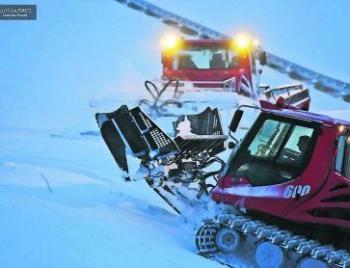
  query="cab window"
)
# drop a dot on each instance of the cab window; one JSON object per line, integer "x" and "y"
{"x": 342, "y": 163}
{"x": 275, "y": 152}
{"x": 193, "y": 57}
{"x": 347, "y": 159}
{"x": 294, "y": 151}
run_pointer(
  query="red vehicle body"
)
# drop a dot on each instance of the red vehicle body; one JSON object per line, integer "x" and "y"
{"x": 317, "y": 193}
{"x": 212, "y": 64}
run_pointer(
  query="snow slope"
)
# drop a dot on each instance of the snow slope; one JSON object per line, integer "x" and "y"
{"x": 63, "y": 204}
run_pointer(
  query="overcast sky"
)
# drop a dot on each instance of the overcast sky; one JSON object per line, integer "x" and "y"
{"x": 75, "y": 50}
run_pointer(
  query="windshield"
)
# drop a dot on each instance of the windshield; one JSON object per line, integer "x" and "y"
{"x": 205, "y": 58}
{"x": 276, "y": 152}
{"x": 342, "y": 164}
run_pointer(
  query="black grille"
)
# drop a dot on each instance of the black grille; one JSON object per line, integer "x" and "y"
{"x": 336, "y": 213}
{"x": 338, "y": 187}
{"x": 339, "y": 198}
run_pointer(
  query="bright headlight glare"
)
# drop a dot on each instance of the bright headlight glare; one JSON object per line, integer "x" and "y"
{"x": 243, "y": 43}
{"x": 170, "y": 42}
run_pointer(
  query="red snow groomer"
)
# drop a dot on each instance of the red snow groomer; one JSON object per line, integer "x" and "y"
{"x": 216, "y": 65}
{"x": 283, "y": 194}
{"x": 213, "y": 64}
{"x": 291, "y": 170}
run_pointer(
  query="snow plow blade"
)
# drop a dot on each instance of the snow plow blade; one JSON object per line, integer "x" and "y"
{"x": 172, "y": 167}
{"x": 132, "y": 131}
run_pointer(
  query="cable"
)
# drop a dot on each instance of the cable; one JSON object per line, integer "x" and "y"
{"x": 147, "y": 84}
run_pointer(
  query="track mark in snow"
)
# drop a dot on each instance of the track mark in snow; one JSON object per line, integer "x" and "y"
{"x": 46, "y": 182}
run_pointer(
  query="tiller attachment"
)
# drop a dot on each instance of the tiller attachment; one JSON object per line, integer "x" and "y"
{"x": 173, "y": 167}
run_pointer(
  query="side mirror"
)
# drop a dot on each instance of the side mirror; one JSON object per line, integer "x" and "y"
{"x": 235, "y": 120}
{"x": 262, "y": 58}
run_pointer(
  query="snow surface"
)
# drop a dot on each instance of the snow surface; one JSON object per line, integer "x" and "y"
{"x": 62, "y": 201}
{"x": 63, "y": 204}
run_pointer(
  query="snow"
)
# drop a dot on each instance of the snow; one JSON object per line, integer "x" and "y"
{"x": 63, "y": 228}
{"x": 59, "y": 210}
{"x": 62, "y": 200}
